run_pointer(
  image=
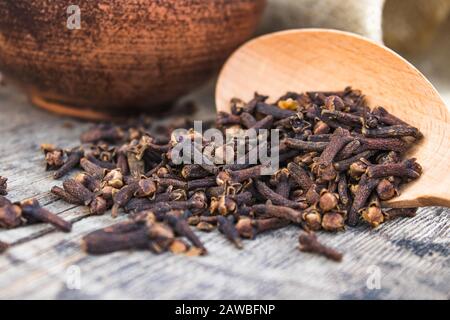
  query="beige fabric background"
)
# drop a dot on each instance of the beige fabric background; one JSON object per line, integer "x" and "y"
{"x": 417, "y": 29}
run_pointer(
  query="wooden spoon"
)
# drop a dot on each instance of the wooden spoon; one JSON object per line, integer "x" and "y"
{"x": 320, "y": 59}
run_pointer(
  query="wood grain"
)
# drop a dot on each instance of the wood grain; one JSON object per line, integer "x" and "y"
{"x": 326, "y": 60}
{"x": 412, "y": 254}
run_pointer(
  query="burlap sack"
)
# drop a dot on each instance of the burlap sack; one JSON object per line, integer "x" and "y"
{"x": 417, "y": 29}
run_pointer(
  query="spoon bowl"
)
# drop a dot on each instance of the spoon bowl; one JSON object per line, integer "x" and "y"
{"x": 328, "y": 60}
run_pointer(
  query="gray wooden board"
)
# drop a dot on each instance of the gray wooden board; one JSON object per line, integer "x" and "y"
{"x": 403, "y": 259}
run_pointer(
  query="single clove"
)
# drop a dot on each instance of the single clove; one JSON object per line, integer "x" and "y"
{"x": 79, "y": 191}
{"x": 33, "y": 212}
{"x": 400, "y": 213}
{"x": 65, "y": 196}
{"x": 365, "y": 187}
{"x": 73, "y": 160}
{"x": 182, "y": 228}
{"x": 309, "y": 243}
{"x": 249, "y": 228}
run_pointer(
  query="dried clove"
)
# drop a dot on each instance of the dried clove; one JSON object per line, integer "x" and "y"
{"x": 10, "y": 216}
{"x": 105, "y": 242}
{"x": 305, "y": 145}
{"x": 249, "y": 228}
{"x": 338, "y": 140}
{"x": 282, "y": 183}
{"x": 387, "y": 118}
{"x": 400, "y": 213}
{"x": 365, "y": 187}
{"x": 194, "y": 171}
{"x": 3, "y": 186}
{"x": 79, "y": 191}
{"x": 65, "y": 196}
{"x": 4, "y": 201}
{"x": 229, "y": 230}
{"x": 344, "y": 165}
{"x": 162, "y": 237}
{"x": 146, "y": 188}
{"x": 312, "y": 218}
{"x": 33, "y": 212}
{"x": 386, "y": 190}
{"x": 333, "y": 221}
{"x": 247, "y": 120}
{"x": 278, "y": 212}
{"x": 99, "y": 205}
{"x": 123, "y": 196}
{"x": 300, "y": 176}
{"x": 328, "y": 201}
{"x": 343, "y": 191}
{"x": 275, "y": 112}
{"x": 54, "y": 157}
{"x": 73, "y": 160}
{"x": 392, "y": 132}
{"x": 88, "y": 181}
{"x": 373, "y": 214}
{"x": 3, "y": 247}
{"x": 406, "y": 169}
{"x": 309, "y": 243}
{"x": 276, "y": 198}
{"x": 182, "y": 228}
{"x": 114, "y": 179}
{"x": 103, "y": 164}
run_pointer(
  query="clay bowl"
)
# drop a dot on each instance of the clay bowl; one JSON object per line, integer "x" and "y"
{"x": 129, "y": 55}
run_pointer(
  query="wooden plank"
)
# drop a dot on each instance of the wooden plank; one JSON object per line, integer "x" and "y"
{"x": 411, "y": 264}
{"x": 410, "y": 256}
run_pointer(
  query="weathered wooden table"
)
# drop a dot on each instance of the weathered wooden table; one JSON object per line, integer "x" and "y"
{"x": 406, "y": 258}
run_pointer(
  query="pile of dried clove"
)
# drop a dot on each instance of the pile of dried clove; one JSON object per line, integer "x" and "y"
{"x": 338, "y": 161}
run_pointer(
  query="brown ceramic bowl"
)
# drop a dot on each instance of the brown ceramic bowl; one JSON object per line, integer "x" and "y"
{"x": 128, "y": 55}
